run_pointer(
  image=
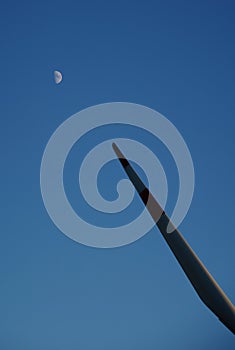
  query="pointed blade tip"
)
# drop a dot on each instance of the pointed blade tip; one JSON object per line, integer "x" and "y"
{"x": 117, "y": 150}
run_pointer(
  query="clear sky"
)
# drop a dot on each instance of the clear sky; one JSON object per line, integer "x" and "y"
{"x": 176, "y": 57}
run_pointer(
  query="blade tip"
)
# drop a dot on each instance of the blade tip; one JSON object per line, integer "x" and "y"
{"x": 117, "y": 150}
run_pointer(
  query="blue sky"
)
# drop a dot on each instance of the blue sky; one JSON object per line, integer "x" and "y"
{"x": 175, "y": 57}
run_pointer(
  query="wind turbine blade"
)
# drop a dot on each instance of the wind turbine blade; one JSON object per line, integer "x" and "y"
{"x": 202, "y": 281}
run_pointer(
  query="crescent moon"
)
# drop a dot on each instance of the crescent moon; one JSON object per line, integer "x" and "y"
{"x": 57, "y": 77}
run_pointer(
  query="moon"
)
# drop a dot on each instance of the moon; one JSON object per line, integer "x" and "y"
{"x": 57, "y": 77}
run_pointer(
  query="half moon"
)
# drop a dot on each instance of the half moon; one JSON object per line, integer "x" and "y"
{"x": 57, "y": 77}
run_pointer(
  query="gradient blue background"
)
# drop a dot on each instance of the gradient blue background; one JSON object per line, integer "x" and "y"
{"x": 174, "y": 56}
